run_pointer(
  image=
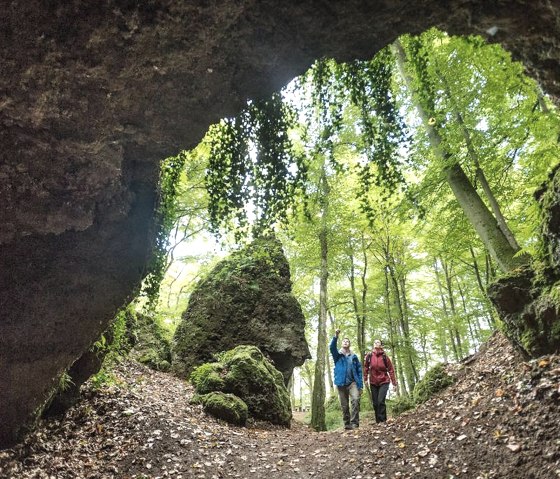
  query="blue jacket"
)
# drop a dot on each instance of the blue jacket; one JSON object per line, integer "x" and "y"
{"x": 340, "y": 366}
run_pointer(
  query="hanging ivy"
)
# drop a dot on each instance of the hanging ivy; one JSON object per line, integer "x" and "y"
{"x": 253, "y": 163}
{"x": 166, "y": 214}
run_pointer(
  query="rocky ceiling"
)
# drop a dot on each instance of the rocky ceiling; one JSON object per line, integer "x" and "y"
{"x": 94, "y": 94}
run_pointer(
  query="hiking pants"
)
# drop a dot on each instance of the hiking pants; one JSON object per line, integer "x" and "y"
{"x": 378, "y": 395}
{"x": 350, "y": 392}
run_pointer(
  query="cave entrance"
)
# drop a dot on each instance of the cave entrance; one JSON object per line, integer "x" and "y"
{"x": 404, "y": 182}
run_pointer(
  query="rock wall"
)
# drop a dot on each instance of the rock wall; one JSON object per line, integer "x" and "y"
{"x": 528, "y": 299}
{"x": 94, "y": 94}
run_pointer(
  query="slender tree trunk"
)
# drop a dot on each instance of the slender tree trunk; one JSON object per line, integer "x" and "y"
{"x": 472, "y": 205}
{"x": 393, "y": 336}
{"x": 479, "y": 173}
{"x": 454, "y": 328}
{"x": 445, "y": 313}
{"x": 329, "y": 367}
{"x": 360, "y": 324}
{"x": 362, "y": 332}
{"x": 407, "y": 361}
{"x": 474, "y": 334}
{"x": 318, "y": 400}
{"x": 329, "y": 374}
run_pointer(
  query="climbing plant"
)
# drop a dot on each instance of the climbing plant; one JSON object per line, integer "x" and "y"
{"x": 170, "y": 173}
{"x": 253, "y": 168}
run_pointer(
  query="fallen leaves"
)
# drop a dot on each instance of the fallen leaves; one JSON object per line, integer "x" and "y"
{"x": 150, "y": 429}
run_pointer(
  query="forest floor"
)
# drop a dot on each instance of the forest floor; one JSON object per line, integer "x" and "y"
{"x": 500, "y": 419}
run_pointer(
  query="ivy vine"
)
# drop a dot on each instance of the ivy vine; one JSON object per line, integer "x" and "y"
{"x": 166, "y": 215}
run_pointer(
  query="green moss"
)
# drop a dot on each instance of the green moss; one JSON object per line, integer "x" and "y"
{"x": 399, "y": 405}
{"x": 434, "y": 381}
{"x": 246, "y": 373}
{"x": 208, "y": 378}
{"x": 224, "y": 406}
{"x": 253, "y": 378}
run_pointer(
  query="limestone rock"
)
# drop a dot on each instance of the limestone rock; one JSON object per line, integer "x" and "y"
{"x": 246, "y": 299}
{"x": 528, "y": 299}
{"x": 246, "y": 373}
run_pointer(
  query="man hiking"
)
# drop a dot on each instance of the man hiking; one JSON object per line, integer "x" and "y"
{"x": 348, "y": 380}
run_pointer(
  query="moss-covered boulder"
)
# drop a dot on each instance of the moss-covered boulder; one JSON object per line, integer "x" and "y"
{"x": 434, "y": 381}
{"x": 208, "y": 377}
{"x": 225, "y": 406}
{"x": 152, "y": 343}
{"x": 246, "y": 373}
{"x": 246, "y": 299}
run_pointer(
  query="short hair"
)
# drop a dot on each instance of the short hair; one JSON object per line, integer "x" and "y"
{"x": 346, "y": 339}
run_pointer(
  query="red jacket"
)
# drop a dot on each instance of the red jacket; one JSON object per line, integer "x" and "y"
{"x": 375, "y": 371}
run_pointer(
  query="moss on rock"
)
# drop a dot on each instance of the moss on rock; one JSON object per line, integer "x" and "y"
{"x": 434, "y": 381}
{"x": 246, "y": 373}
{"x": 245, "y": 299}
{"x": 225, "y": 406}
{"x": 208, "y": 378}
{"x": 152, "y": 346}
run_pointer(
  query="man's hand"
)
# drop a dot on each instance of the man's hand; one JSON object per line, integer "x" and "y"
{"x": 337, "y": 332}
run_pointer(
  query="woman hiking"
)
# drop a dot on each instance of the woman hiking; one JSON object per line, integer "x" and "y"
{"x": 379, "y": 372}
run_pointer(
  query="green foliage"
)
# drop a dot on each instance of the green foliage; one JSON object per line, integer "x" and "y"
{"x": 166, "y": 215}
{"x": 65, "y": 382}
{"x": 113, "y": 345}
{"x": 251, "y": 161}
{"x": 152, "y": 342}
{"x": 400, "y": 404}
{"x": 224, "y": 406}
{"x": 435, "y": 380}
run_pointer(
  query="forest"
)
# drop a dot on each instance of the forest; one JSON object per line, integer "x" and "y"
{"x": 399, "y": 187}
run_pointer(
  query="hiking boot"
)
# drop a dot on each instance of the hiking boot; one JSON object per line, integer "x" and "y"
{"x": 354, "y": 426}
{"x": 347, "y": 426}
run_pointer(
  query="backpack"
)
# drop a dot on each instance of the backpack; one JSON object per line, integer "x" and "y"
{"x": 367, "y": 360}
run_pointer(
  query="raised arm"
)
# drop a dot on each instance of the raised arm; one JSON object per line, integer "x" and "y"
{"x": 333, "y": 346}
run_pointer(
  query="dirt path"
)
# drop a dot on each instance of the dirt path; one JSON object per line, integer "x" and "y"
{"x": 501, "y": 419}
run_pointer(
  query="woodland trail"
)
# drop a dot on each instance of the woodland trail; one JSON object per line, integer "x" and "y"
{"x": 500, "y": 419}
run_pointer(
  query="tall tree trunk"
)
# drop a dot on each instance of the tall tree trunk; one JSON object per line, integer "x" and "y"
{"x": 453, "y": 326}
{"x": 479, "y": 173}
{"x": 329, "y": 367}
{"x": 362, "y": 332}
{"x": 445, "y": 313}
{"x": 329, "y": 374}
{"x": 407, "y": 362}
{"x": 488, "y": 305}
{"x": 474, "y": 334}
{"x": 472, "y": 205}
{"x": 393, "y": 336}
{"x": 318, "y": 399}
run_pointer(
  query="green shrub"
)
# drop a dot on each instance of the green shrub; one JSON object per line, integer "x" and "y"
{"x": 434, "y": 381}
{"x": 399, "y": 405}
{"x": 225, "y": 406}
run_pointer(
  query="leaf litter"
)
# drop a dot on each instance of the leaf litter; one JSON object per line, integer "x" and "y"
{"x": 500, "y": 419}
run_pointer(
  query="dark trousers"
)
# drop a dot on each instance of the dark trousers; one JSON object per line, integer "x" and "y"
{"x": 378, "y": 395}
